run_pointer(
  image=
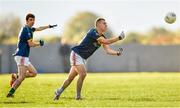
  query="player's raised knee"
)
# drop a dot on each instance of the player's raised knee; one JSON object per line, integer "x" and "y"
{"x": 34, "y": 74}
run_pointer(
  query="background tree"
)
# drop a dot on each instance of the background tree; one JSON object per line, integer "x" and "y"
{"x": 78, "y": 26}
{"x": 10, "y": 27}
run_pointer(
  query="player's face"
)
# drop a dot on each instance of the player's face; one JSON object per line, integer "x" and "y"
{"x": 103, "y": 25}
{"x": 30, "y": 21}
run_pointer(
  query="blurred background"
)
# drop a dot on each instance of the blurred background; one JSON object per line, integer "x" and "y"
{"x": 150, "y": 45}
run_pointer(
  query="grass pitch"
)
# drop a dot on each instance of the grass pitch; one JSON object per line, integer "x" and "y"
{"x": 99, "y": 90}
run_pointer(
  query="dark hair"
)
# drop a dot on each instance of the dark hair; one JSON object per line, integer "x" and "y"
{"x": 29, "y": 15}
{"x": 98, "y": 20}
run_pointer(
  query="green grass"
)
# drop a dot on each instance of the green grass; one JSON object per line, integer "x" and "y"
{"x": 100, "y": 90}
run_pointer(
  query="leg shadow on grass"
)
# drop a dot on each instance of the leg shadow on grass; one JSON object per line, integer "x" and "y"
{"x": 122, "y": 99}
{"x": 11, "y": 102}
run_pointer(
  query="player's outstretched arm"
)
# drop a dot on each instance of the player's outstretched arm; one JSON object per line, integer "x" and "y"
{"x": 111, "y": 51}
{"x": 32, "y": 43}
{"x": 105, "y": 41}
{"x": 45, "y": 27}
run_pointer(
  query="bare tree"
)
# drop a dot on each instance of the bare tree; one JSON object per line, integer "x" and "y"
{"x": 10, "y": 27}
{"x": 78, "y": 26}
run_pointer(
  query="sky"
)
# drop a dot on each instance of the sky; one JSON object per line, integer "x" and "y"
{"x": 127, "y": 15}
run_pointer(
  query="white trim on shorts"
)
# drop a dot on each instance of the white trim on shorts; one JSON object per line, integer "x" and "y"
{"x": 76, "y": 59}
{"x": 22, "y": 60}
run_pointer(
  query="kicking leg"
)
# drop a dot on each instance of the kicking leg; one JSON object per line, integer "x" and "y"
{"x": 22, "y": 74}
{"x": 71, "y": 76}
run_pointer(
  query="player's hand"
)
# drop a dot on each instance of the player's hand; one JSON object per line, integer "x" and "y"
{"x": 119, "y": 52}
{"x": 52, "y": 26}
{"x": 122, "y": 35}
{"x": 41, "y": 42}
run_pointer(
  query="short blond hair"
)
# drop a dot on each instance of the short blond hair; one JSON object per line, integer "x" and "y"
{"x": 98, "y": 20}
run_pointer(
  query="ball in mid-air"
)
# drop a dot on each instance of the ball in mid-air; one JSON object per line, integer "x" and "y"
{"x": 170, "y": 17}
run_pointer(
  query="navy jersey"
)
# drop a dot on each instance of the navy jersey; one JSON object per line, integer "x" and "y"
{"x": 88, "y": 45}
{"x": 23, "y": 48}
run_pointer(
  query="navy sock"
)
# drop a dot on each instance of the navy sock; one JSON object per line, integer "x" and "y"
{"x": 12, "y": 91}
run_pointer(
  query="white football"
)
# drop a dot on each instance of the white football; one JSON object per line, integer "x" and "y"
{"x": 170, "y": 17}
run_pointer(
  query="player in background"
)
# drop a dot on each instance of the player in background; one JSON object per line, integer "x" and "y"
{"x": 21, "y": 56}
{"x": 79, "y": 54}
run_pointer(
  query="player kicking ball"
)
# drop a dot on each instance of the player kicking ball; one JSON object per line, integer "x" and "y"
{"x": 79, "y": 54}
{"x": 21, "y": 56}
